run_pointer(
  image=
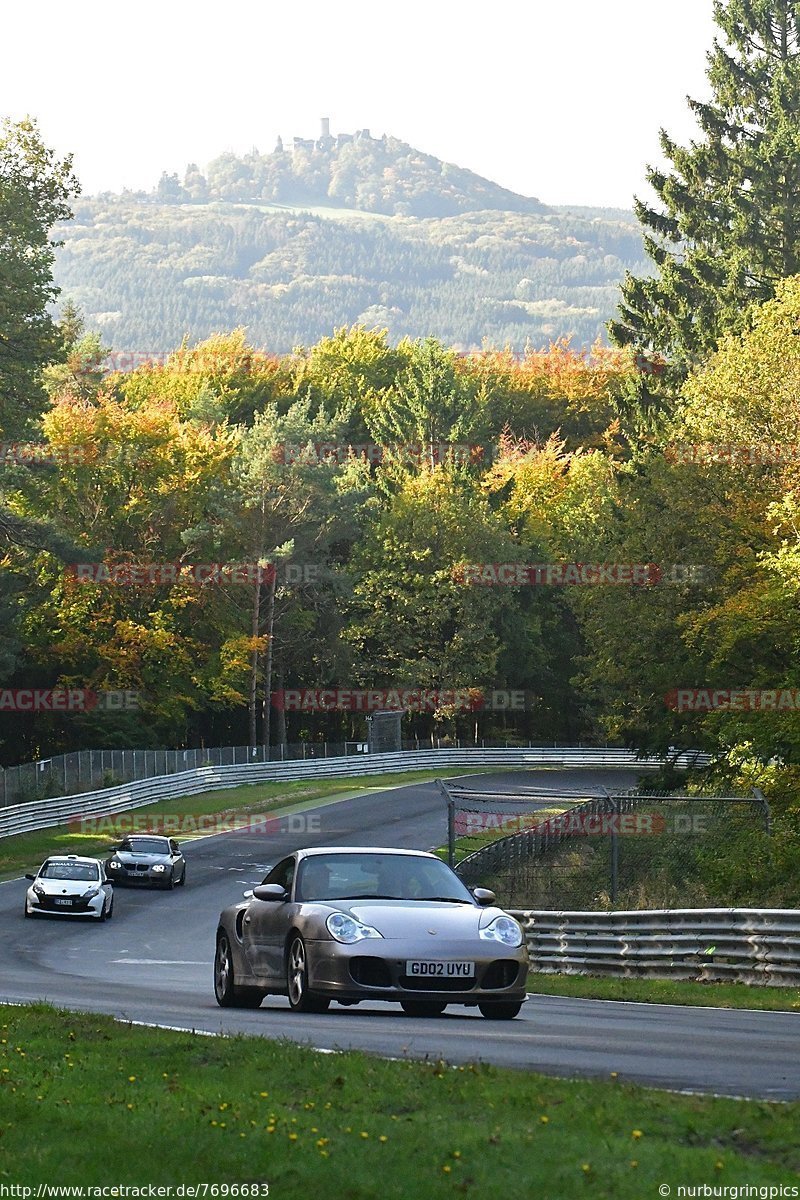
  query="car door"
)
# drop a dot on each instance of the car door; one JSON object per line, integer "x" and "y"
{"x": 266, "y": 924}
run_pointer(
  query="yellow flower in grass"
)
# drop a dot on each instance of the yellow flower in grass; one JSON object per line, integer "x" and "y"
{"x": 636, "y": 1134}
{"x": 544, "y": 1120}
{"x": 586, "y": 1168}
{"x": 131, "y": 1079}
{"x": 446, "y": 1168}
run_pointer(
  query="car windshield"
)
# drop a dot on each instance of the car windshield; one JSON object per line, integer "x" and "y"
{"x": 145, "y": 846}
{"x": 376, "y": 876}
{"x": 70, "y": 870}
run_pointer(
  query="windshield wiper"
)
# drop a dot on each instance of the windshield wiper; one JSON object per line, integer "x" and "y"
{"x": 366, "y": 896}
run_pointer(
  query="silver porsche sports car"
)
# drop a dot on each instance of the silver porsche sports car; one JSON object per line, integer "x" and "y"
{"x": 360, "y": 923}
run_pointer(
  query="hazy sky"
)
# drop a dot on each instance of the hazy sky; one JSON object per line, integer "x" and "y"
{"x": 558, "y": 100}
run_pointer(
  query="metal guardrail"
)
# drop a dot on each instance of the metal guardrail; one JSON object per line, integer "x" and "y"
{"x": 736, "y": 945}
{"x": 40, "y": 814}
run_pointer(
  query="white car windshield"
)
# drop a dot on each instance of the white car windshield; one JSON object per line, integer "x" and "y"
{"x": 88, "y": 872}
{"x": 350, "y": 876}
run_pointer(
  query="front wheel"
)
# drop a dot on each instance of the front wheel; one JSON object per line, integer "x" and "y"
{"x": 227, "y": 993}
{"x": 503, "y": 1010}
{"x": 422, "y": 1008}
{"x": 300, "y": 998}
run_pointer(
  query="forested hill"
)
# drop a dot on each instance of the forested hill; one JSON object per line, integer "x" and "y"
{"x": 297, "y": 243}
{"x": 378, "y": 175}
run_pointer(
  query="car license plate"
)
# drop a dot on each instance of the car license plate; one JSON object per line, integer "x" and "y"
{"x": 66, "y": 903}
{"x": 440, "y": 970}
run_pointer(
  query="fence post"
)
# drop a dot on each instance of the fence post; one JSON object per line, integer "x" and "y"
{"x": 759, "y": 795}
{"x": 613, "y": 808}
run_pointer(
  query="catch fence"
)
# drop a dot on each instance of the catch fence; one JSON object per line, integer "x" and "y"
{"x": 594, "y": 849}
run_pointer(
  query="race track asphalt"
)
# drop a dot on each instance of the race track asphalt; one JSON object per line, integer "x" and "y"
{"x": 153, "y": 963}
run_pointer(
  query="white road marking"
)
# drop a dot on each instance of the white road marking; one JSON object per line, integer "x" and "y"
{"x": 162, "y": 962}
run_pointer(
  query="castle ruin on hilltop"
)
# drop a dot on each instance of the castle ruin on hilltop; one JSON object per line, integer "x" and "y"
{"x": 326, "y": 140}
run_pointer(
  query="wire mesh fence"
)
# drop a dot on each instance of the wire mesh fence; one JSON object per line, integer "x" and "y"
{"x": 635, "y": 849}
{"x": 86, "y": 770}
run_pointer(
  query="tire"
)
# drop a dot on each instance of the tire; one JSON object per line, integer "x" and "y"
{"x": 300, "y": 998}
{"x": 182, "y": 880}
{"x": 501, "y": 1010}
{"x": 110, "y": 912}
{"x": 170, "y": 883}
{"x": 423, "y": 1008}
{"x": 25, "y": 910}
{"x": 227, "y": 993}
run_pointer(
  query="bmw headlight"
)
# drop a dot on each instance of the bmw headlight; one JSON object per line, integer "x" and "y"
{"x": 502, "y": 929}
{"x": 348, "y": 930}
{"x": 115, "y": 864}
{"x": 159, "y": 867}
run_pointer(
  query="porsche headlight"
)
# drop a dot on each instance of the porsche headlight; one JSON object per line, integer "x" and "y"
{"x": 159, "y": 867}
{"x": 502, "y": 929}
{"x": 348, "y": 930}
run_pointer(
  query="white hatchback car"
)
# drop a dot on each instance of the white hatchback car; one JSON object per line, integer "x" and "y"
{"x": 70, "y": 886}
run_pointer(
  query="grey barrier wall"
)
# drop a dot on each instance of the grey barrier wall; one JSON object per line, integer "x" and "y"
{"x": 40, "y": 814}
{"x": 735, "y": 945}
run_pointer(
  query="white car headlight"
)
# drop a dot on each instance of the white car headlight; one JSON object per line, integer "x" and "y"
{"x": 159, "y": 867}
{"x": 115, "y": 864}
{"x": 502, "y": 929}
{"x": 348, "y": 930}
{"x": 39, "y": 890}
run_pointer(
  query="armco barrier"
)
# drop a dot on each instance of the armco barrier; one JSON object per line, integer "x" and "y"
{"x": 737, "y": 945}
{"x": 40, "y": 814}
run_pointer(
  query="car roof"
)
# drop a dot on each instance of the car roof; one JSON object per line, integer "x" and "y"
{"x": 70, "y": 858}
{"x": 311, "y": 851}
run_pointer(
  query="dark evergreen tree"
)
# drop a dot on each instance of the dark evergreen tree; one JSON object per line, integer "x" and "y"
{"x": 727, "y": 228}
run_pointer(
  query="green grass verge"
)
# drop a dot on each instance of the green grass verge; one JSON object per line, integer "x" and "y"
{"x": 87, "y": 1101}
{"x": 665, "y": 991}
{"x": 25, "y": 851}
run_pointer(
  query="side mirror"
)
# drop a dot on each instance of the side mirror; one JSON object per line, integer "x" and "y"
{"x": 483, "y": 896}
{"x": 29, "y": 876}
{"x": 270, "y": 891}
